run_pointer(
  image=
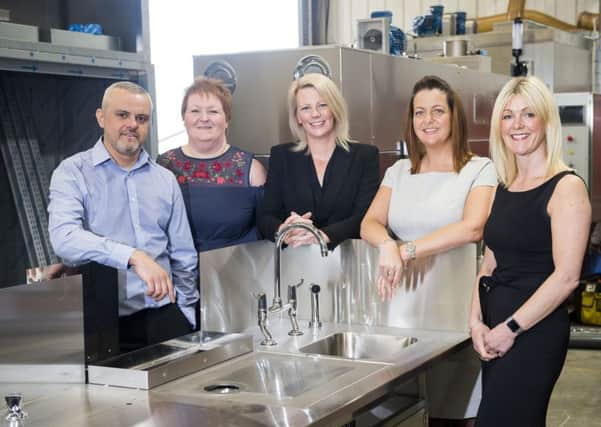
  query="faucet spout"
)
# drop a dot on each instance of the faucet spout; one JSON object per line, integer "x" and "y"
{"x": 280, "y": 236}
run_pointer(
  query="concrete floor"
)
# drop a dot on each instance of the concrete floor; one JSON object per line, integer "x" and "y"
{"x": 576, "y": 399}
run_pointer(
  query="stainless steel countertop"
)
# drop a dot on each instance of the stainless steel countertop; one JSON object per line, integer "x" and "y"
{"x": 174, "y": 404}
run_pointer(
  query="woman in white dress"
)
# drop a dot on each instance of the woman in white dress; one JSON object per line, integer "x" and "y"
{"x": 425, "y": 218}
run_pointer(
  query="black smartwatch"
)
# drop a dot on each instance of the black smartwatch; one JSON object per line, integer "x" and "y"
{"x": 514, "y": 326}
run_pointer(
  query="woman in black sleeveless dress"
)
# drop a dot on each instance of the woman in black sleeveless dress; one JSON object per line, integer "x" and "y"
{"x": 535, "y": 241}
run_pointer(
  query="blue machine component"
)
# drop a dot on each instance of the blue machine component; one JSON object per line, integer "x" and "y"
{"x": 424, "y": 25}
{"x": 460, "y": 22}
{"x": 396, "y": 35}
{"x": 437, "y": 11}
{"x": 86, "y": 28}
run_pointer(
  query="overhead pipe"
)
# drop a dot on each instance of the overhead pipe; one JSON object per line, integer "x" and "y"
{"x": 516, "y": 9}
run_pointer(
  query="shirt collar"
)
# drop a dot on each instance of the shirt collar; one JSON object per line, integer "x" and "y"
{"x": 101, "y": 155}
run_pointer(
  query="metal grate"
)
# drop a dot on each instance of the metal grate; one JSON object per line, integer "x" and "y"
{"x": 28, "y": 178}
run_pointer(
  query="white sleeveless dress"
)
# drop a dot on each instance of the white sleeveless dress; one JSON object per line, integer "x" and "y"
{"x": 436, "y": 291}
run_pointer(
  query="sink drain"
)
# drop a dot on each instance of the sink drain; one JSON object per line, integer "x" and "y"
{"x": 223, "y": 388}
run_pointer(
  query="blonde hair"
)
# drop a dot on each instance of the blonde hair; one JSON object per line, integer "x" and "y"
{"x": 541, "y": 101}
{"x": 328, "y": 90}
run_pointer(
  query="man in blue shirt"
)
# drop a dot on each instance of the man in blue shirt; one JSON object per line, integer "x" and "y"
{"x": 114, "y": 205}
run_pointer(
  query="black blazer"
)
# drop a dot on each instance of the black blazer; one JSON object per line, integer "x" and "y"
{"x": 350, "y": 183}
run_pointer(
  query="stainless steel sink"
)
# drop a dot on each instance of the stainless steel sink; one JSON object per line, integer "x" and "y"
{"x": 270, "y": 378}
{"x": 282, "y": 376}
{"x": 350, "y": 345}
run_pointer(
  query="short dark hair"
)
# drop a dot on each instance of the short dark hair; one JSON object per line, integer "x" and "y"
{"x": 461, "y": 149}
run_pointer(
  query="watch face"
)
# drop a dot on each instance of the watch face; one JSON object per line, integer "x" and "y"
{"x": 513, "y": 326}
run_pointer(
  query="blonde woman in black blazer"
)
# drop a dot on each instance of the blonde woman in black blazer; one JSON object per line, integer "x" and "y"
{"x": 323, "y": 178}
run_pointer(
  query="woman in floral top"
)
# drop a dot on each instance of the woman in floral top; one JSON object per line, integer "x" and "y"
{"x": 221, "y": 184}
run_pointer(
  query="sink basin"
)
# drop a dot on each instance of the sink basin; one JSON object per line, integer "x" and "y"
{"x": 271, "y": 378}
{"x": 350, "y": 345}
{"x": 282, "y": 376}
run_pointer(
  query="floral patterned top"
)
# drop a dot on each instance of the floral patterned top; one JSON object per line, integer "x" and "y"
{"x": 220, "y": 201}
{"x": 231, "y": 168}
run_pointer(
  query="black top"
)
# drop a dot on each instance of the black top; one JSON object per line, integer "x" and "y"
{"x": 516, "y": 387}
{"x": 525, "y": 260}
{"x": 350, "y": 183}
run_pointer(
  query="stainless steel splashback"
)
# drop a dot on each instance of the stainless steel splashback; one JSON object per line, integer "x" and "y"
{"x": 230, "y": 276}
{"x": 377, "y": 88}
{"x": 41, "y": 332}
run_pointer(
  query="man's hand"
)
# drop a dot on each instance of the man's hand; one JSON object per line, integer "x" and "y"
{"x": 156, "y": 278}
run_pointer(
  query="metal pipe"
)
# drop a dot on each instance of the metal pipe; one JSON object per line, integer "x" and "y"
{"x": 485, "y": 23}
{"x": 280, "y": 236}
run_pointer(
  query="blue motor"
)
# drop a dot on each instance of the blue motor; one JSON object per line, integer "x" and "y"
{"x": 428, "y": 25}
{"x": 396, "y": 35}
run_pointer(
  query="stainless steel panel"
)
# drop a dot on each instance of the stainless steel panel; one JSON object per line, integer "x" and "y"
{"x": 184, "y": 401}
{"x": 231, "y": 276}
{"x": 377, "y": 89}
{"x": 155, "y": 365}
{"x": 26, "y": 33}
{"x": 273, "y": 379}
{"x": 355, "y": 80}
{"x": 41, "y": 332}
{"x": 393, "y": 82}
{"x": 259, "y": 110}
{"x": 79, "y": 39}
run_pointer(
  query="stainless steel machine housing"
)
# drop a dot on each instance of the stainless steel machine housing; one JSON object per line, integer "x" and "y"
{"x": 377, "y": 88}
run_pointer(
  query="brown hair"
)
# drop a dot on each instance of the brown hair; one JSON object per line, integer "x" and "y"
{"x": 461, "y": 149}
{"x": 206, "y": 86}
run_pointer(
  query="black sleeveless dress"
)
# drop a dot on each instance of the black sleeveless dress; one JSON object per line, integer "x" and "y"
{"x": 516, "y": 387}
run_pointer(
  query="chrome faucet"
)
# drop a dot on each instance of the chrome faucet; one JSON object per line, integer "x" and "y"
{"x": 262, "y": 320}
{"x": 280, "y": 236}
{"x": 291, "y": 305}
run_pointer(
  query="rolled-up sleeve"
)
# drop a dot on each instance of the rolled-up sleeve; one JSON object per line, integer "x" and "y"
{"x": 66, "y": 210}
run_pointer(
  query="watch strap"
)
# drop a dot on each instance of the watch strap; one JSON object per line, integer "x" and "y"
{"x": 514, "y": 326}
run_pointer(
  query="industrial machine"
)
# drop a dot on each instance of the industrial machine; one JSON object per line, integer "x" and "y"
{"x": 377, "y": 88}
{"x": 562, "y": 59}
{"x": 51, "y": 82}
{"x": 580, "y": 114}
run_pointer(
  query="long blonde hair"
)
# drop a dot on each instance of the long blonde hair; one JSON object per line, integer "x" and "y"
{"x": 328, "y": 90}
{"x": 539, "y": 98}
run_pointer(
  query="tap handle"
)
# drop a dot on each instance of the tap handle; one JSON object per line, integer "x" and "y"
{"x": 291, "y": 293}
{"x": 315, "y": 288}
{"x": 292, "y": 290}
{"x": 262, "y": 299}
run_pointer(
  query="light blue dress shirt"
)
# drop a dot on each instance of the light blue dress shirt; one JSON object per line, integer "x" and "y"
{"x": 101, "y": 212}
